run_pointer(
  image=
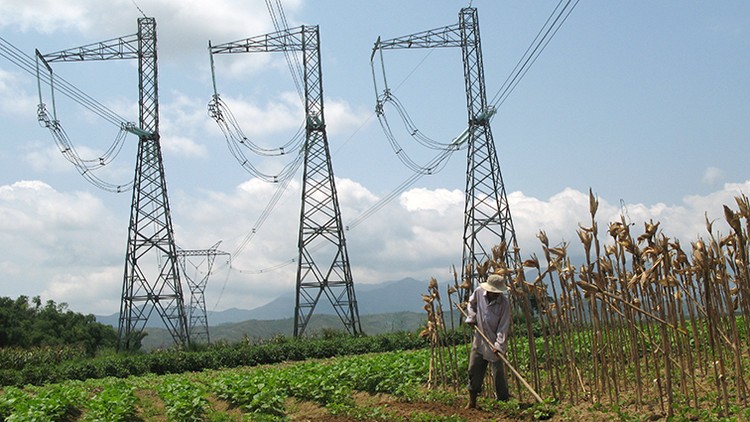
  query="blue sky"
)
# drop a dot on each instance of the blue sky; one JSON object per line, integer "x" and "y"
{"x": 645, "y": 103}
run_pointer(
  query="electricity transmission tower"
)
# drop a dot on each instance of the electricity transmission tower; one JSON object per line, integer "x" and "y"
{"x": 151, "y": 279}
{"x": 323, "y": 265}
{"x": 196, "y": 314}
{"x": 487, "y": 219}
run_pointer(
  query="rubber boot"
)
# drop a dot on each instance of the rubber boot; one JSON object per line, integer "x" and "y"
{"x": 472, "y": 404}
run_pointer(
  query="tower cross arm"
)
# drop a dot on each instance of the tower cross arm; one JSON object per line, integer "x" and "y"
{"x": 213, "y": 250}
{"x": 115, "y": 49}
{"x": 201, "y": 252}
{"x": 287, "y": 40}
{"x": 449, "y": 36}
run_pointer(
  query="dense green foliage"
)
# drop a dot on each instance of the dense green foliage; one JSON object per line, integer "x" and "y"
{"x": 260, "y": 392}
{"x": 329, "y": 384}
{"x": 25, "y": 323}
{"x": 40, "y": 371}
{"x": 184, "y": 400}
{"x": 112, "y": 401}
{"x": 256, "y": 393}
{"x": 50, "y": 403}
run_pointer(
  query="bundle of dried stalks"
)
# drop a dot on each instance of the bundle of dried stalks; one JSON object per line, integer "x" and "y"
{"x": 640, "y": 320}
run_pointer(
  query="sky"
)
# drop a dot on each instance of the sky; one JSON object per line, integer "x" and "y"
{"x": 643, "y": 103}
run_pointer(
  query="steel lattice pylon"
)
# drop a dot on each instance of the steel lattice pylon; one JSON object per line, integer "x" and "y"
{"x": 196, "y": 314}
{"x": 323, "y": 264}
{"x": 487, "y": 219}
{"x": 150, "y": 232}
{"x": 151, "y": 280}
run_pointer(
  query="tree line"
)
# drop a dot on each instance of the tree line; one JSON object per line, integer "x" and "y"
{"x": 28, "y": 323}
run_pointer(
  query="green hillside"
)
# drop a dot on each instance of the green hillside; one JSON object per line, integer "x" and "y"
{"x": 264, "y": 329}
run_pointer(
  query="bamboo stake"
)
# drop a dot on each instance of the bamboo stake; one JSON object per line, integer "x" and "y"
{"x": 595, "y": 289}
{"x": 658, "y": 349}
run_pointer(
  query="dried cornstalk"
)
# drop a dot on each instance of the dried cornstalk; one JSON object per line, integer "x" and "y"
{"x": 638, "y": 319}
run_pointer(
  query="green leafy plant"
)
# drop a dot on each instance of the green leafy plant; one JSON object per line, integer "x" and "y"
{"x": 183, "y": 399}
{"x": 255, "y": 392}
{"x": 51, "y": 403}
{"x": 113, "y": 402}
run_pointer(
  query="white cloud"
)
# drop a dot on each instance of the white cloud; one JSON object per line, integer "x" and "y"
{"x": 351, "y": 192}
{"x": 274, "y": 123}
{"x": 558, "y": 217}
{"x": 183, "y": 146}
{"x": 48, "y": 159}
{"x": 561, "y": 215}
{"x": 712, "y": 176}
{"x": 99, "y": 289}
{"x": 186, "y": 26}
{"x": 343, "y": 119}
{"x": 282, "y": 116}
{"x": 183, "y": 25}
{"x": 14, "y": 100}
{"x": 439, "y": 200}
{"x": 229, "y": 69}
{"x": 46, "y": 16}
{"x": 56, "y": 243}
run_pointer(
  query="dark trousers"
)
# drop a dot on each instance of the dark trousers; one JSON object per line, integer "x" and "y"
{"x": 477, "y": 369}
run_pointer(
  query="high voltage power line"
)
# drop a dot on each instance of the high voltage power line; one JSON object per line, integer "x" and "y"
{"x": 56, "y": 83}
{"x": 553, "y": 23}
{"x": 39, "y": 68}
{"x": 551, "y": 26}
{"x": 545, "y": 34}
{"x": 29, "y": 65}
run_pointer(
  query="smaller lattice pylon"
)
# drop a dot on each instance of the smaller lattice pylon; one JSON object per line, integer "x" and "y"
{"x": 196, "y": 312}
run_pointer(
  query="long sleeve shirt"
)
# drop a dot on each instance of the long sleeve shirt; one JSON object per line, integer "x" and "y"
{"x": 493, "y": 318}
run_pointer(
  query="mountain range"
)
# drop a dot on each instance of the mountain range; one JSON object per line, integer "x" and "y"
{"x": 386, "y": 297}
{"x": 384, "y": 307}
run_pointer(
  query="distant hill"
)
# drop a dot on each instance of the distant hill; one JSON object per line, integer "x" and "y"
{"x": 383, "y": 307}
{"x": 381, "y": 298}
{"x": 256, "y": 330}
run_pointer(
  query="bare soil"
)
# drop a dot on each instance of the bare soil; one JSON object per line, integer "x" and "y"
{"x": 384, "y": 407}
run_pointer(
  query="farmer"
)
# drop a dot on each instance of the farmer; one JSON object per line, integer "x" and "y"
{"x": 489, "y": 311}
